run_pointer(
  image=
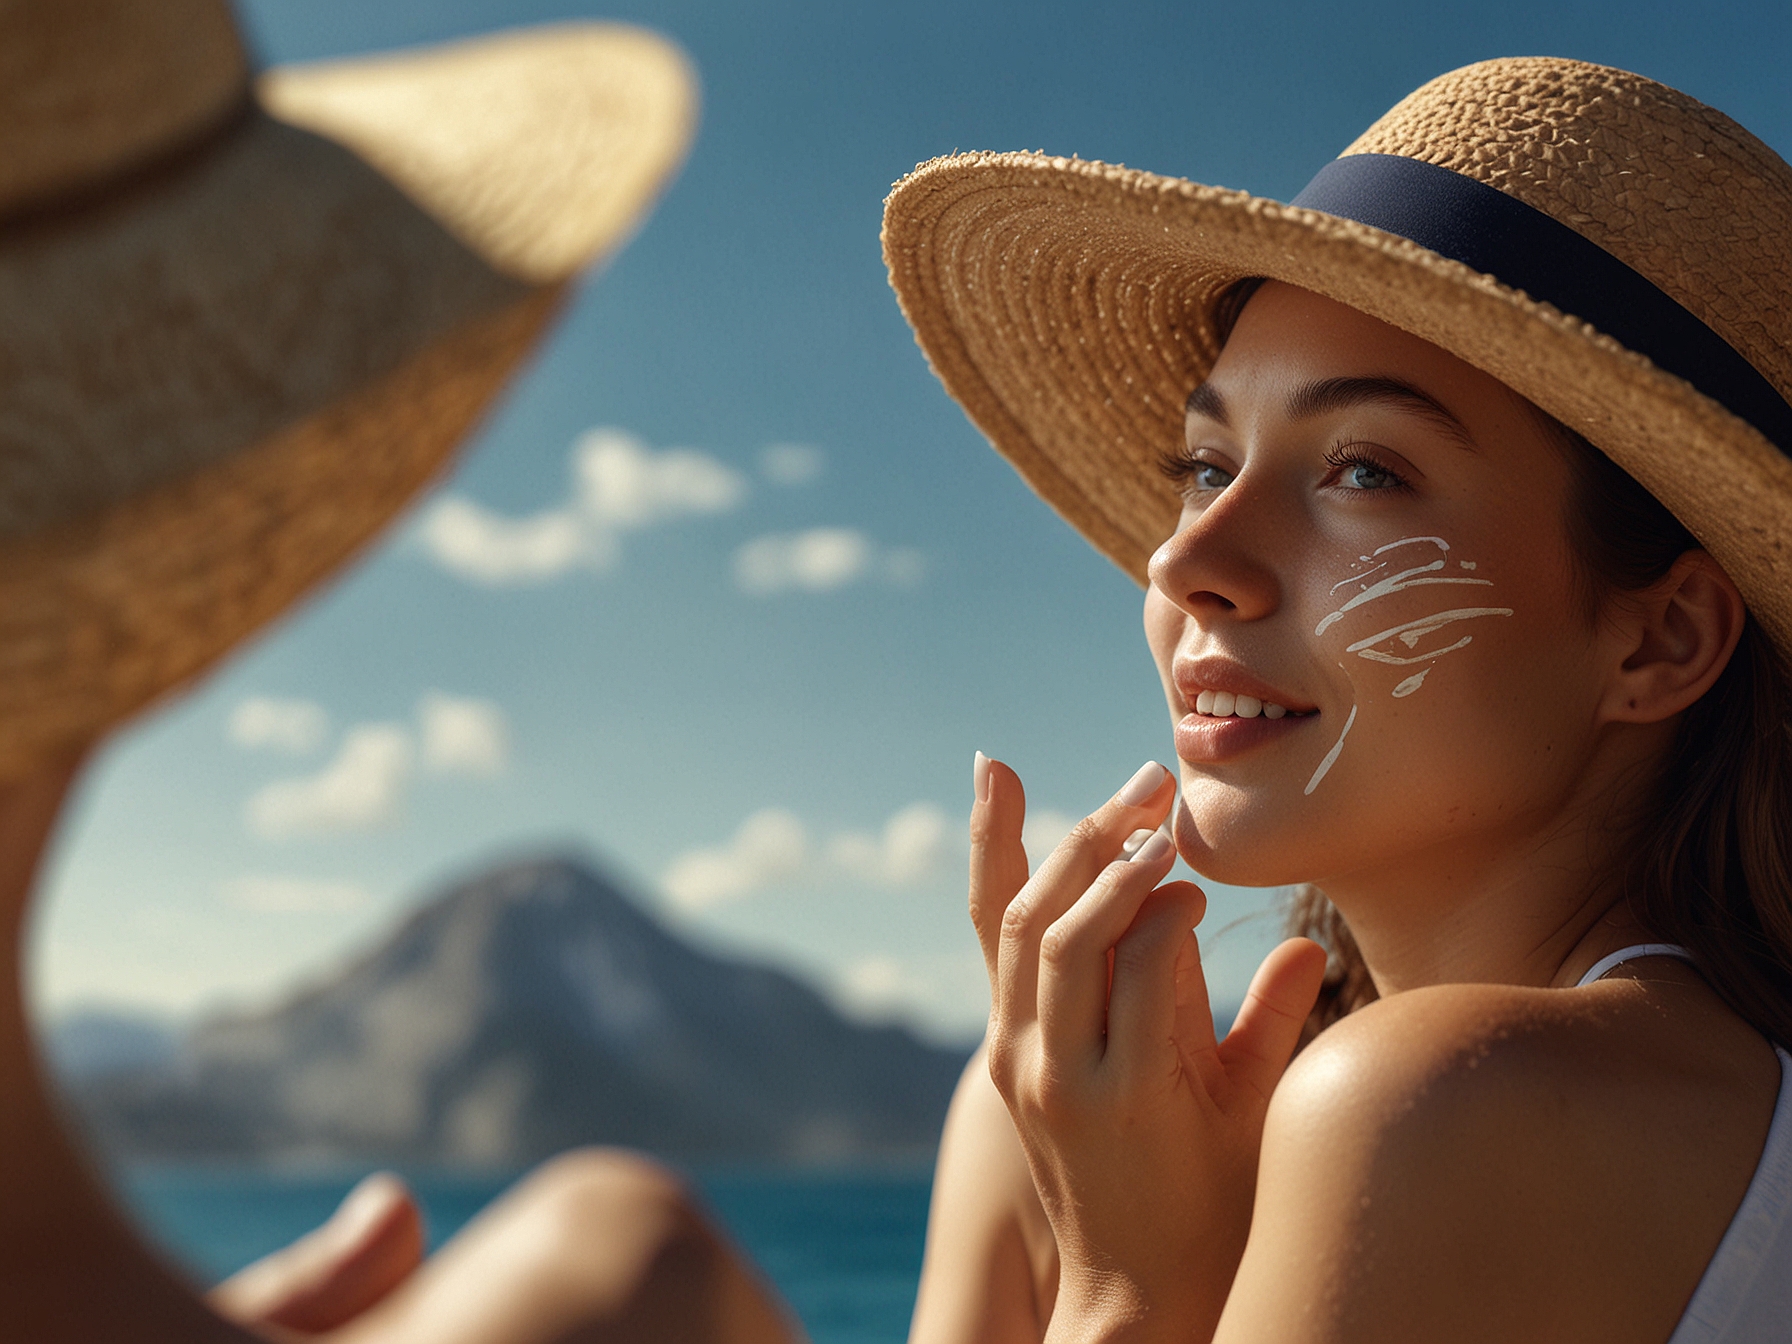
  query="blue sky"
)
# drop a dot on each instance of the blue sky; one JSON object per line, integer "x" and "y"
{"x": 756, "y": 696}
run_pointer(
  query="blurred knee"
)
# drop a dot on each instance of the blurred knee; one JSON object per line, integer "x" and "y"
{"x": 596, "y": 1246}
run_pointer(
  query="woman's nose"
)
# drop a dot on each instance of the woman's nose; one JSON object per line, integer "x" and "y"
{"x": 1212, "y": 567}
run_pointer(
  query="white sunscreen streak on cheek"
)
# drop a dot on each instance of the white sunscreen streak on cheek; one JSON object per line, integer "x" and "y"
{"x": 1358, "y": 578}
{"x": 1332, "y": 755}
{"x": 1438, "y": 542}
{"x": 1397, "y": 583}
{"x": 1411, "y": 632}
{"x": 1408, "y": 633}
{"x": 1411, "y": 684}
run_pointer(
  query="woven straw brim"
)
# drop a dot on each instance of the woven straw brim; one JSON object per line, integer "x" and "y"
{"x": 1068, "y": 306}
{"x": 220, "y": 381}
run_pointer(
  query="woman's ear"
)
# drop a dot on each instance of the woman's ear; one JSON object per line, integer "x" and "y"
{"x": 1678, "y": 637}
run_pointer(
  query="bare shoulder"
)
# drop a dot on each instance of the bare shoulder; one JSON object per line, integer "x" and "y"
{"x": 1498, "y": 1162}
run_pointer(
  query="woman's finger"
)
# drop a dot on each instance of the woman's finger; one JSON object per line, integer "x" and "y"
{"x": 1158, "y": 1008}
{"x": 998, "y": 858}
{"x": 1195, "y": 1037}
{"x": 1257, "y": 1049}
{"x": 1142, "y": 801}
{"x": 370, "y": 1245}
{"x": 1073, "y": 955}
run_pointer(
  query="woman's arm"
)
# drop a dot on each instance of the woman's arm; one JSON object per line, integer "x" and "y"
{"x": 991, "y": 1268}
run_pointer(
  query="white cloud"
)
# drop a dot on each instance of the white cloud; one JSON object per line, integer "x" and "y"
{"x": 295, "y": 726}
{"x": 820, "y": 560}
{"x": 1042, "y": 831}
{"x": 791, "y": 463}
{"x": 470, "y": 540}
{"x": 265, "y": 893}
{"x": 619, "y": 485}
{"x": 361, "y": 789}
{"x": 463, "y": 735}
{"x": 910, "y": 850}
{"x": 816, "y": 561}
{"x": 624, "y": 485}
{"x": 770, "y": 846}
{"x": 948, "y": 992}
{"x": 773, "y": 846}
{"x": 874, "y": 985}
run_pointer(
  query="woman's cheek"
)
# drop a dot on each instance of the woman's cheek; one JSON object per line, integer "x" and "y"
{"x": 1400, "y": 619}
{"x": 1422, "y": 755}
{"x": 1490, "y": 733}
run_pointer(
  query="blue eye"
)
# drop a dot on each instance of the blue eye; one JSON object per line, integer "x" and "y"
{"x": 1355, "y": 470}
{"x": 1194, "y": 475}
{"x": 1365, "y": 476}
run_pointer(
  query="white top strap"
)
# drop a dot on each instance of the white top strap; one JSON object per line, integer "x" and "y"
{"x": 1745, "y": 1296}
{"x": 1624, "y": 954}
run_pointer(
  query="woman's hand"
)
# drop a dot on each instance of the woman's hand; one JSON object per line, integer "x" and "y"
{"x": 1140, "y": 1128}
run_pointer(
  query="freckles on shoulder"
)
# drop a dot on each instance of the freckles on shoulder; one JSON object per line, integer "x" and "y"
{"x": 1412, "y": 1058}
{"x": 1403, "y": 1106}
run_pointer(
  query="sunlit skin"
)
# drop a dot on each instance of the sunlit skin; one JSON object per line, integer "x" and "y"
{"x": 1484, "y": 1154}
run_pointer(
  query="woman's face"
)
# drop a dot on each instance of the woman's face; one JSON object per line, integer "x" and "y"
{"x": 1371, "y": 574}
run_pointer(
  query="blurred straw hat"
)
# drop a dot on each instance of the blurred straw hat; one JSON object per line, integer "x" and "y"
{"x": 243, "y": 319}
{"x": 1610, "y": 248}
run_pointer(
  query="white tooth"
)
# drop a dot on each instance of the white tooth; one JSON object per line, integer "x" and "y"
{"x": 1204, "y": 703}
{"x": 1247, "y": 707}
{"x": 1273, "y": 711}
{"x": 1223, "y": 701}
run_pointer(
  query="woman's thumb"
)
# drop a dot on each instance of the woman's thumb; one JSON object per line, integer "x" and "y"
{"x": 1282, "y": 993}
{"x": 328, "y": 1277}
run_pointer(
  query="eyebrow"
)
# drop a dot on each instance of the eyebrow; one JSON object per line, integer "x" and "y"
{"x": 1206, "y": 400}
{"x": 1337, "y": 394}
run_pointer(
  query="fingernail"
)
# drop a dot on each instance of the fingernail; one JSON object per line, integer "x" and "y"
{"x": 1137, "y": 838}
{"x": 368, "y": 1202}
{"x": 1142, "y": 785}
{"x": 1155, "y": 850}
{"x": 980, "y": 777}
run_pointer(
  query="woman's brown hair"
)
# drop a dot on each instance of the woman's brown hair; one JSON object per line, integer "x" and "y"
{"x": 1710, "y": 861}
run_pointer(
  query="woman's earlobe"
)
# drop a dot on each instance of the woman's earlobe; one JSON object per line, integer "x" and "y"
{"x": 1688, "y": 628}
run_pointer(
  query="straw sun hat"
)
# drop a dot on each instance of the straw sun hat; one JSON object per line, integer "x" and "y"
{"x": 1610, "y": 248}
{"x": 243, "y": 319}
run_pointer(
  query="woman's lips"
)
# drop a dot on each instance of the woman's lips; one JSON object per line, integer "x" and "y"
{"x": 1204, "y": 740}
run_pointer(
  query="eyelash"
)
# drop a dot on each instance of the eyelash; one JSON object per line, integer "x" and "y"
{"x": 1341, "y": 457}
{"x": 1179, "y": 465}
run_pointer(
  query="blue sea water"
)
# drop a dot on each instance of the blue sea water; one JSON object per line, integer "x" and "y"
{"x": 844, "y": 1248}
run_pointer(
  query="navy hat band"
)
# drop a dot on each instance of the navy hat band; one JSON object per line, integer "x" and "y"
{"x": 1499, "y": 235}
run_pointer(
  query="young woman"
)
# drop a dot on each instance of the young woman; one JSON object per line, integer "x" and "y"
{"x": 1461, "y": 493}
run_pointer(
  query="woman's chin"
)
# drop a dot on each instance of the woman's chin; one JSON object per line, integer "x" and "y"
{"x": 1229, "y": 848}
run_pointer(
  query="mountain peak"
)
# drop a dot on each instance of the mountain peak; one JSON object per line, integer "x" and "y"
{"x": 525, "y": 1010}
